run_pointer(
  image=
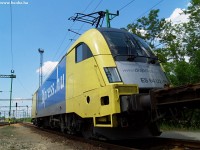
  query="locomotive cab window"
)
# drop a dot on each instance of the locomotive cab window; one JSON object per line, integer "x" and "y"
{"x": 82, "y": 52}
{"x": 125, "y": 46}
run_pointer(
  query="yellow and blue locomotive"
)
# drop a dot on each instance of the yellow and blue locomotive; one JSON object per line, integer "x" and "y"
{"x": 101, "y": 87}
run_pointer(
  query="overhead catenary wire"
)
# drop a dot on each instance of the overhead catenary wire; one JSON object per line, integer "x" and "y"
{"x": 60, "y": 45}
{"x": 81, "y": 25}
{"x": 25, "y": 89}
{"x": 11, "y": 35}
{"x": 126, "y": 5}
{"x": 97, "y": 6}
{"x": 149, "y": 10}
{"x": 63, "y": 40}
{"x": 122, "y": 8}
{"x": 21, "y": 99}
{"x": 88, "y": 6}
{"x": 70, "y": 28}
{"x": 92, "y": 12}
{"x": 82, "y": 12}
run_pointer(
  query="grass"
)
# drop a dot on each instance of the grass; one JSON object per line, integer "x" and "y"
{"x": 178, "y": 127}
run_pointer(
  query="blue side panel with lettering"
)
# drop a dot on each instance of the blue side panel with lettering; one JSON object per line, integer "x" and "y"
{"x": 51, "y": 94}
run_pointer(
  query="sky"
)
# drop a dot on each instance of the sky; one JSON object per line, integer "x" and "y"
{"x": 33, "y": 24}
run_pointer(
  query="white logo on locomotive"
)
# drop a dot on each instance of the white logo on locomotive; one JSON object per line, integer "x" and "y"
{"x": 54, "y": 87}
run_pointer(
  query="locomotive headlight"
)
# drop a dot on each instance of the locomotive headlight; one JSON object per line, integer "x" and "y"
{"x": 112, "y": 74}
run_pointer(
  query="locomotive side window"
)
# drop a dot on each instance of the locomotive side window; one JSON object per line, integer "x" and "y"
{"x": 82, "y": 52}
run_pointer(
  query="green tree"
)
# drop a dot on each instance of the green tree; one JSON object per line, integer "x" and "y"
{"x": 192, "y": 38}
{"x": 193, "y": 28}
{"x": 148, "y": 28}
{"x": 173, "y": 43}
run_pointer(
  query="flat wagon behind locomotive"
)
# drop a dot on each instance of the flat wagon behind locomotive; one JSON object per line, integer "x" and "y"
{"x": 101, "y": 87}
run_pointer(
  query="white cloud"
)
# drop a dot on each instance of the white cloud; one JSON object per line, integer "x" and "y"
{"x": 178, "y": 16}
{"x": 187, "y": 58}
{"x": 47, "y": 67}
{"x": 143, "y": 32}
{"x": 189, "y": 4}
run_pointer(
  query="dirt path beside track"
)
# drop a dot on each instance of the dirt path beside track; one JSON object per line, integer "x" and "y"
{"x": 18, "y": 137}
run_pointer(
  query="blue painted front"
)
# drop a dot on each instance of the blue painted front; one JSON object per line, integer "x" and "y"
{"x": 52, "y": 90}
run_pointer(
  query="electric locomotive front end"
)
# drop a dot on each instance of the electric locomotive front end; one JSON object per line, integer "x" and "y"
{"x": 101, "y": 87}
{"x": 135, "y": 65}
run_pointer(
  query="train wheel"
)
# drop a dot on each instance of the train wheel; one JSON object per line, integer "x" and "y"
{"x": 153, "y": 127}
{"x": 39, "y": 123}
{"x": 87, "y": 129}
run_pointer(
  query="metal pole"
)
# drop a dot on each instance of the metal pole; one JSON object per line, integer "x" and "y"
{"x": 16, "y": 111}
{"x": 107, "y": 18}
{"x": 13, "y": 115}
{"x": 27, "y": 111}
{"x": 4, "y": 116}
{"x": 41, "y": 51}
{"x": 12, "y": 71}
{"x": 24, "y": 115}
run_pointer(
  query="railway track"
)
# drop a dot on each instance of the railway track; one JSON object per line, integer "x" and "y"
{"x": 143, "y": 143}
{"x": 96, "y": 143}
{"x": 4, "y": 123}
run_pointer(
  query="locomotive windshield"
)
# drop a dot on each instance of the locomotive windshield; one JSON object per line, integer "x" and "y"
{"x": 126, "y": 46}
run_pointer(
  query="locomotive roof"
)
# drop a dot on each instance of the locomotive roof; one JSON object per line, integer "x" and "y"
{"x": 111, "y": 30}
{"x": 87, "y": 35}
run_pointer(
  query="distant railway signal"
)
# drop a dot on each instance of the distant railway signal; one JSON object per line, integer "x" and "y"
{"x": 10, "y": 76}
{"x": 7, "y": 76}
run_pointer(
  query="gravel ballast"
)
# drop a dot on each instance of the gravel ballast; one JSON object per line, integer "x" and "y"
{"x": 18, "y": 137}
